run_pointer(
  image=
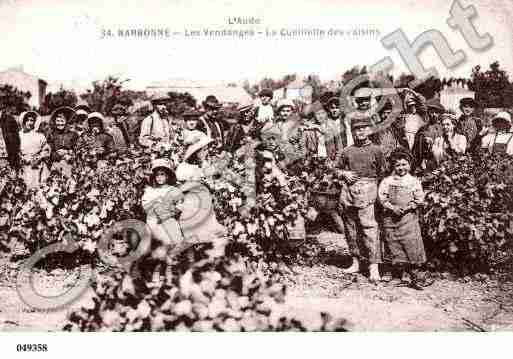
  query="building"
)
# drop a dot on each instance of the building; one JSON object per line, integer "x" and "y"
{"x": 450, "y": 97}
{"x": 16, "y": 77}
{"x": 226, "y": 94}
{"x": 296, "y": 90}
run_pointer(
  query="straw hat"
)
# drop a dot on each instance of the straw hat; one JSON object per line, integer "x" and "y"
{"x": 162, "y": 163}
{"x": 67, "y": 111}
{"x": 504, "y": 116}
{"x": 285, "y": 103}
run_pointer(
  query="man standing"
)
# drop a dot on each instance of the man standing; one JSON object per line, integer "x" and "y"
{"x": 155, "y": 128}
{"x": 119, "y": 129}
{"x": 240, "y": 131}
{"x": 210, "y": 123}
{"x": 338, "y": 127}
{"x": 468, "y": 124}
{"x": 426, "y": 135}
{"x": 391, "y": 137}
{"x": 264, "y": 111}
{"x": 414, "y": 117}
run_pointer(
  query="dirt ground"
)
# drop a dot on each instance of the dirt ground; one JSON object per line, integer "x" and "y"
{"x": 447, "y": 305}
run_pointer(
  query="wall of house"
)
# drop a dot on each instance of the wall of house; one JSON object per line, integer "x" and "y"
{"x": 25, "y": 82}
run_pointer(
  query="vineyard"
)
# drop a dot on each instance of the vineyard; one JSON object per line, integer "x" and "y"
{"x": 258, "y": 278}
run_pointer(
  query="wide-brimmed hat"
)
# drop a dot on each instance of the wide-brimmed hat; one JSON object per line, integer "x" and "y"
{"x": 266, "y": 92}
{"x": 23, "y": 116}
{"x": 118, "y": 109}
{"x": 160, "y": 100}
{"x": 211, "y": 101}
{"x": 333, "y": 100}
{"x": 468, "y": 102}
{"x": 503, "y": 117}
{"x": 451, "y": 116}
{"x": 95, "y": 117}
{"x": 85, "y": 108}
{"x": 363, "y": 93}
{"x": 361, "y": 121}
{"x": 162, "y": 163}
{"x": 191, "y": 114}
{"x": 245, "y": 109}
{"x": 67, "y": 111}
{"x": 285, "y": 103}
{"x": 200, "y": 142}
{"x": 435, "y": 104}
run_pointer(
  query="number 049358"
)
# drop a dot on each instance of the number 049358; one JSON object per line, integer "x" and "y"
{"x": 32, "y": 347}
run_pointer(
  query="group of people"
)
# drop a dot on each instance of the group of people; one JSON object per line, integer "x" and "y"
{"x": 376, "y": 162}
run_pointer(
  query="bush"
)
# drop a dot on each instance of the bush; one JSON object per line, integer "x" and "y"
{"x": 204, "y": 290}
{"x": 467, "y": 222}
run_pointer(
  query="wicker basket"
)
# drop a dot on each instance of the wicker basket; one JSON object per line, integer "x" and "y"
{"x": 325, "y": 201}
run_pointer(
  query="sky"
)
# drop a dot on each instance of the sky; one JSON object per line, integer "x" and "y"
{"x": 60, "y": 42}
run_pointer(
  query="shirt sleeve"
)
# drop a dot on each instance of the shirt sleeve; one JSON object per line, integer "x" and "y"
{"x": 383, "y": 192}
{"x": 418, "y": 192}
{"x": 45, "y": 147}
{"x": 460, "y": 144}
{"x": 144, "y": 136}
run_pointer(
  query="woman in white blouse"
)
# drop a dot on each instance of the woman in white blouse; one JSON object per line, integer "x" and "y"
{"x": 33, "y": 150}
{"x": 450, "y": 143}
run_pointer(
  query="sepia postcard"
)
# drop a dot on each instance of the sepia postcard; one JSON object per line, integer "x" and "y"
{"x": 254, "y": 166}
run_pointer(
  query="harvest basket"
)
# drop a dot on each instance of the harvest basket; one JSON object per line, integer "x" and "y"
{"x": 325, "y": 201}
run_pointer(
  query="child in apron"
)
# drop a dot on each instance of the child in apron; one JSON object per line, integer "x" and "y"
{"x": 401, "y": 194}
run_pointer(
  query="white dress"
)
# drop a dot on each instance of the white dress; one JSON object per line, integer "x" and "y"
{"x": 197, "y": 220}
{"x": 33, "y": 146}
{"x": 158, "y": 203}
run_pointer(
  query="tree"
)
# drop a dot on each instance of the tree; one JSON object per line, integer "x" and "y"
{"x": 55, "y": 100}
{"x": 350, "y": 75}
{"x": 13, "y": 101}
{"x": 107, "y": 93}
{"x": 180, "y": 102}
{"x": 492, "y": 87}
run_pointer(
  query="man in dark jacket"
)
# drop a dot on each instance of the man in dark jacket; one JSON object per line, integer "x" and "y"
{"x": 9, "y": 141}
{"x": 211, "y": 122}
{"x": 426, "y": 134}
{"x": 469, "y": 124}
